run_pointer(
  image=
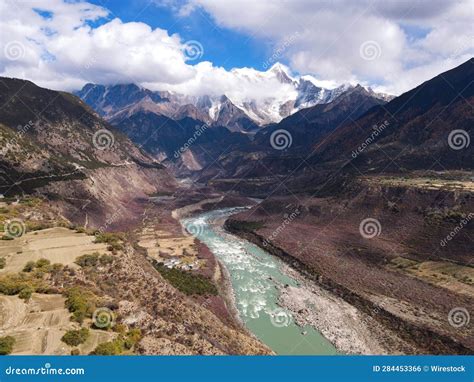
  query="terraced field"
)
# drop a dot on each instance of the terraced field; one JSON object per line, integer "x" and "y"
{"x": 39, "y": 324}
{"x": 58, "y": 245}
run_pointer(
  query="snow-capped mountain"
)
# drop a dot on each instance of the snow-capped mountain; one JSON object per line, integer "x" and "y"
{"x": 280, "y": 94}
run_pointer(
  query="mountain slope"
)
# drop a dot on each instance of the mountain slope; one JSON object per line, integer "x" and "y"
{"x": 427, "y": 127}
{"x": 298, "y": 133}
{"x": 55, "y": 145}
{"x": 185, "y": 145}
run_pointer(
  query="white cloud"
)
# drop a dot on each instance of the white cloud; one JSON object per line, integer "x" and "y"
{"x": 330, "y": 35}
{"x": 66, "y": 50}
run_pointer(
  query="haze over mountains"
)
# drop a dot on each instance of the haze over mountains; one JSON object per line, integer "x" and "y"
{"x": 236, "y": 112}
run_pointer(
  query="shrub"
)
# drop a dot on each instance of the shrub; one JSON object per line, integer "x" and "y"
{"x": 6, "y": 345}
{"x": 3, "y": 262}
{"x": 80, "y": 302}
{"x": 114, "y": 347}
{"x": 75, "y": 337}
{"x": 56, "y": 267}
{"x": 106, "y": 259}
{"x": 12, "y": 284}
{"x": 88, "y": 260}
{"x": 25, "y": 293}
{"x": 75, "y": 352}
{"x": 93, "y": 260}
{"x": 244, "y": 226}
{"x": 122, "y": 343}
{"x": 29, "y": 266}
{"x": 132, "y": 337}
{"x": 43, "y": 264}
{"x": 113, "y": 239}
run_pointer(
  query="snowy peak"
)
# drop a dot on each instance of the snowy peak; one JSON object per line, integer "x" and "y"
{"x": 280, "y": 94}
{"x": 282, "y": 73}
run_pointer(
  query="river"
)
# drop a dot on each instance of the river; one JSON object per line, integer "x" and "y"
{"x": 256, "y": 277}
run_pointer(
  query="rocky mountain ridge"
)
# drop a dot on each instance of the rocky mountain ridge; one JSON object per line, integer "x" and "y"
{"x": 236, "y": 112}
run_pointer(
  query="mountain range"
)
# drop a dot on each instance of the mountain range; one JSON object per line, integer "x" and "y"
{"x": 236, "y": 112}
{"x": 53, "y": 144}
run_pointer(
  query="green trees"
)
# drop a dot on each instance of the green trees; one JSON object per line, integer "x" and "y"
{"x": 6, "y": 345}
{"x": 94, "y": 259}
{"x": 123, "y": 343}
{"x": 186, "y": 282}
{"x": 113, "y": 239}
{"x": 75, "y": 337}
{"x": 12, "y": 284}
{"x": 80, "y": 302}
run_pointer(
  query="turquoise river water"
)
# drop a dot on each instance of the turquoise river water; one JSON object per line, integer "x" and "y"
{"x": 255, "y": 276}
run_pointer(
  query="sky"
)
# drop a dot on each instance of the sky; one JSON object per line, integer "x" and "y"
{"x": 217, "y": 47}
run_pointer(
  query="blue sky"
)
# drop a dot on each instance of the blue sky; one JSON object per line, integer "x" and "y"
{"x": 390, "y": 45}
{"x": 222, "y": 46}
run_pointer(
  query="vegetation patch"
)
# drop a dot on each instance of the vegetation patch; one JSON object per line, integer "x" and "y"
{"x": 41, "y": 266}
{"x": 81, "y": 303}
{"x": 186, "y": 282}
{"x": 6, "y": 345}
{"x": 114, "y": 240}
{"x": 124, "y": 343}
{"x": 245, "y": 226}
{"x": 94, "y": 259}
{"x": 22, "y": 284}
{"x": 75, "y": 337}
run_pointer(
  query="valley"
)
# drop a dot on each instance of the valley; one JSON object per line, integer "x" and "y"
{"x": 322, "y": 221}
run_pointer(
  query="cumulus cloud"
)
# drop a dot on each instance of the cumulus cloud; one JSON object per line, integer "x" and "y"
{"x": 58, "y": 47}
{"x": 391, "y": 44}
{"x": 54, "y": 44}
